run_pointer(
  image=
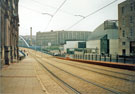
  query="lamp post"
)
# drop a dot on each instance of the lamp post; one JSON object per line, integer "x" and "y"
{"x": 47, "y": 14}
{"x": 49, "y": 20}
{"x": 80, "y": 16}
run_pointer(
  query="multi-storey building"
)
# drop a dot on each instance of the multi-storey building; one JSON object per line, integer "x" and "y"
{"x": 126, "y": 17}
{"x": 60, "y": 37}
{"x": 8, "y": 31}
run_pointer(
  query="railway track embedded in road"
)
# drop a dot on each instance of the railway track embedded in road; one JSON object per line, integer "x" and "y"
{"x": 63, "y": 82}
{"x": 110, "y": 89}
{"x": 102, "y": 73}
{"x": 89, "y": 82}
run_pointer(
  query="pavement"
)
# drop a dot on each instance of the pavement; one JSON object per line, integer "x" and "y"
{"x": 20, "y": 78}
{"x": 27, "y": 77}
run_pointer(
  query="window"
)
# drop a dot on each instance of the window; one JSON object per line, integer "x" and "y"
{"x": 123, "y": 43}
{"x": 134, "y": 5}
{"x": 123, "y": 33}
{"x": 123, "y": 21}
{"x": 131, "y": 6}
{"x": 120, "y": 28}
{"x": 131, "y": 32}
{"x": 131, "y": 19}
{"x": 123, "y": 9}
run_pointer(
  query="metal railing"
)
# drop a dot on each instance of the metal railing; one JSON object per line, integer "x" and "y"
{"x": 107, "y": 58}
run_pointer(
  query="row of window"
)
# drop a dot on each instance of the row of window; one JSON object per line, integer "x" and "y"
{"x": 130, "y": 20}
{"x": 131, "y": 8}
{"x": 124, "y": 33}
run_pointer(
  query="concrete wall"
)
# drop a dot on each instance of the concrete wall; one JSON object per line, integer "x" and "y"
{"x": 113, "y": 46}
{"x": 70, "y": 44}
{"x": 93, "y": 44}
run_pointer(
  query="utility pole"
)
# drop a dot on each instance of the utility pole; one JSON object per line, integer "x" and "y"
{"x": 31, "y": 36}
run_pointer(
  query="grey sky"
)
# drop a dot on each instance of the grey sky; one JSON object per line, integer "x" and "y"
{"x": 30, "y": 13}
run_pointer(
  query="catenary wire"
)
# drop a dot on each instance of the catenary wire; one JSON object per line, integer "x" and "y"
{"x": 55, "y": 13}
{"x": 90, "y": 15}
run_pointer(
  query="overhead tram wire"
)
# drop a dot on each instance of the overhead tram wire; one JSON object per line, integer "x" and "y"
{"x": 90, "y": 14}
{"x": 52, "y": 7}
{"x": 55, "y": 14}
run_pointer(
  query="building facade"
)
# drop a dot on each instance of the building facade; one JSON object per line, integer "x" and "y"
{"x": 126, "y": 17}
{"x": 8, "y": 31}
{"x": 56, "y": 38}
{"x": 104, "y": 39}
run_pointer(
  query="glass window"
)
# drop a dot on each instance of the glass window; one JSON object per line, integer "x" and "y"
{"x": 123, "y": 43}
{"x": 134, "y": 5}
{"x": 123, "y": 21}
{"x": 131, "y": 19}
{"x": 123, "y": 9}
{"x": 123, "y": 33}
{"x": 131, "y": 32}
{"x": 131, "y": 6}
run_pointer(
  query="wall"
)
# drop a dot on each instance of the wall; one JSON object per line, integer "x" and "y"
{"x": 93, "y": 44}
{"x": 9, "y": 31}
{"x": 70, "y": 44}
{"x": 113, "y": 46}
{"x": 126, "y": 25}
{"x": 0, "y": 38}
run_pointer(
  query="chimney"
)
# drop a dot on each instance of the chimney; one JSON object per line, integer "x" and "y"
{"x": 31, "y": 36}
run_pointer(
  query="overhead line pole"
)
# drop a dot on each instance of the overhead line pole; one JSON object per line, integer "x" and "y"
{"x": 55, "y": 14}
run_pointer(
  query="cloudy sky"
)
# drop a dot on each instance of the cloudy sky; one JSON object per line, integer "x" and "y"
{"x": 36, "y": 14}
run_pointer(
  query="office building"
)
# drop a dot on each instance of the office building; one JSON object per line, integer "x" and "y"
{"x": 56, "y": 38}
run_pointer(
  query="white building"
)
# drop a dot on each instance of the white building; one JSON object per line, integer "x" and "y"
{"x": 71, "y": 45}
{"x": 104, "y": 39}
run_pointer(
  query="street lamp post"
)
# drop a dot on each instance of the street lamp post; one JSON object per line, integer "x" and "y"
{"x": 80, "y": 16}
{"x": 47, "y": 14}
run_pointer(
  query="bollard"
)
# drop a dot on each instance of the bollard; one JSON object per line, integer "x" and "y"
{"x": 96, "y": 56}
{"x": 124, "y": 59}
{"x": 110, "y": 58}
{"x": 100, "y": 57}
{"x": 133, "y": 60}
{"x": 117, "y": 57}
{"x": 86, "y": 57}
{"x": 104, "y": 57}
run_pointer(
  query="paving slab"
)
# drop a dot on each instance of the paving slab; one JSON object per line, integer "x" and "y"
{"x": 20, "y": 78}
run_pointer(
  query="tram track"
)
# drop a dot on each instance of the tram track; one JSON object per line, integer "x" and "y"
{"x": 110, "y": 89}
{"x": 55, "y": 76}
{"x": 89, "y": 82}
{"x": 94, "y": 67}
{"x": 101, "y": 73}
